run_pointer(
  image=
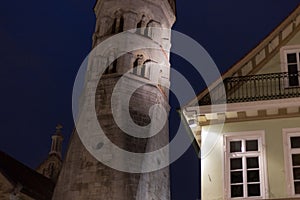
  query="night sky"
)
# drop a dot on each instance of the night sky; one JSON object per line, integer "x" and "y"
{"x": 42, "y": 44}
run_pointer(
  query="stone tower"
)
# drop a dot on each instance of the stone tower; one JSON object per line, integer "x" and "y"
{"x": 84, "y": 177}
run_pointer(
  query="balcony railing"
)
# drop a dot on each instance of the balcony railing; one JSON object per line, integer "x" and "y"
{"x": 254, "y": 88}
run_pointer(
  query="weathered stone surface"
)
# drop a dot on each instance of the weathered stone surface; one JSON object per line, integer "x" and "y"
{"x": 82, "y": 176}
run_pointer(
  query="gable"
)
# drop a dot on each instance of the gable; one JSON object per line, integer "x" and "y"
{"x": 268, "y": 79}
{"x": 256, "y": 77}
{"x": 265, "y": 57}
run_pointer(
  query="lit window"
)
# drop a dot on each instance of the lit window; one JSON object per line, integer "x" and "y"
{"x": 244, "y": 166}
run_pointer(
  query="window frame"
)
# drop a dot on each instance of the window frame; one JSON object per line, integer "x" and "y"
{"x": 261, "y": 153}
{"x": 287, "y": 134}
{"x": 284, "y": 64}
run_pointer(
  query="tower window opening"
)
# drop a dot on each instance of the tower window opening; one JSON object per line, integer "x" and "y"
{"x": 118, "y": 24}
{"x": 148, "y": 31}
{"x": 114, "y": 68}
{"x": 121, "y": 26}
{"x": 111, "y": 64}
{"x": 139, "y": 67}
{"x": 51, "y": 169}
{"x": 135, "y": 65}
{"x": 114, "y": 26}
{"x": 141, "y": 26}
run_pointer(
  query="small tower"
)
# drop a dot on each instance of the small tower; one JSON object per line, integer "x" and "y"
{"x": 57, "y": 139}
{"x": 52, "y": 165}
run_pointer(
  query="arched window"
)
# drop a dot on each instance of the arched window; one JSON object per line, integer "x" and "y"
{"x": 141, "y": 26}
{"x": 144, "y": 73}
{"x": 151, "y": 29}
{"x": 114, "y": 66}
{"x": 121, "y": 25}
{"x": 50, "y": 169}
{"x": 118, "y": 25}
{"x": 135, "y": 65}
{"x": 139, "y": 66}
{"x": 114, "y": 26}
{"x": 148, "y": 29}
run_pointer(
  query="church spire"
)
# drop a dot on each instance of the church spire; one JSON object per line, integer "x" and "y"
{"x": 57, "y": 138}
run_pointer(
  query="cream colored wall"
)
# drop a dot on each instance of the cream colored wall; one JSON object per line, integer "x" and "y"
{"x": 211, "y": 167}
{"x": 274, "y": 65}
{"x": 212, "y": 164}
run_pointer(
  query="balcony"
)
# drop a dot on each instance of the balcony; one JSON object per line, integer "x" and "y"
{"x": 254, "y": 88}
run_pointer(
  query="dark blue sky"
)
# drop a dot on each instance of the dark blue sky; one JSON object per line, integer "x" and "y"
{"x": 42, "y": 44}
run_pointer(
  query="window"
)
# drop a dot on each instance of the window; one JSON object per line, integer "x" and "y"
{"x": 292, "y": 68}
{"x": 291, "y": 65}
{"x": 245, "y": 165}
{"x": 292, "y": 160}
{"x": 139, "y": 66}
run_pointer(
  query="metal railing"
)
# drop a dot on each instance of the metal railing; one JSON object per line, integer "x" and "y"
{"x": 254, "y": 88}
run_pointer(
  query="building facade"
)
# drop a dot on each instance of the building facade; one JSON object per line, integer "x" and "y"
{"x": 247, "y": 123}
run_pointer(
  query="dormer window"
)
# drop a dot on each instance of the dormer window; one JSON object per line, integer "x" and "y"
{"x": 291, "y": 65}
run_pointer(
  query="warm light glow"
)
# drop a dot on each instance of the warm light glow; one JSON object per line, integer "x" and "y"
{"x": 192, "y": 123}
